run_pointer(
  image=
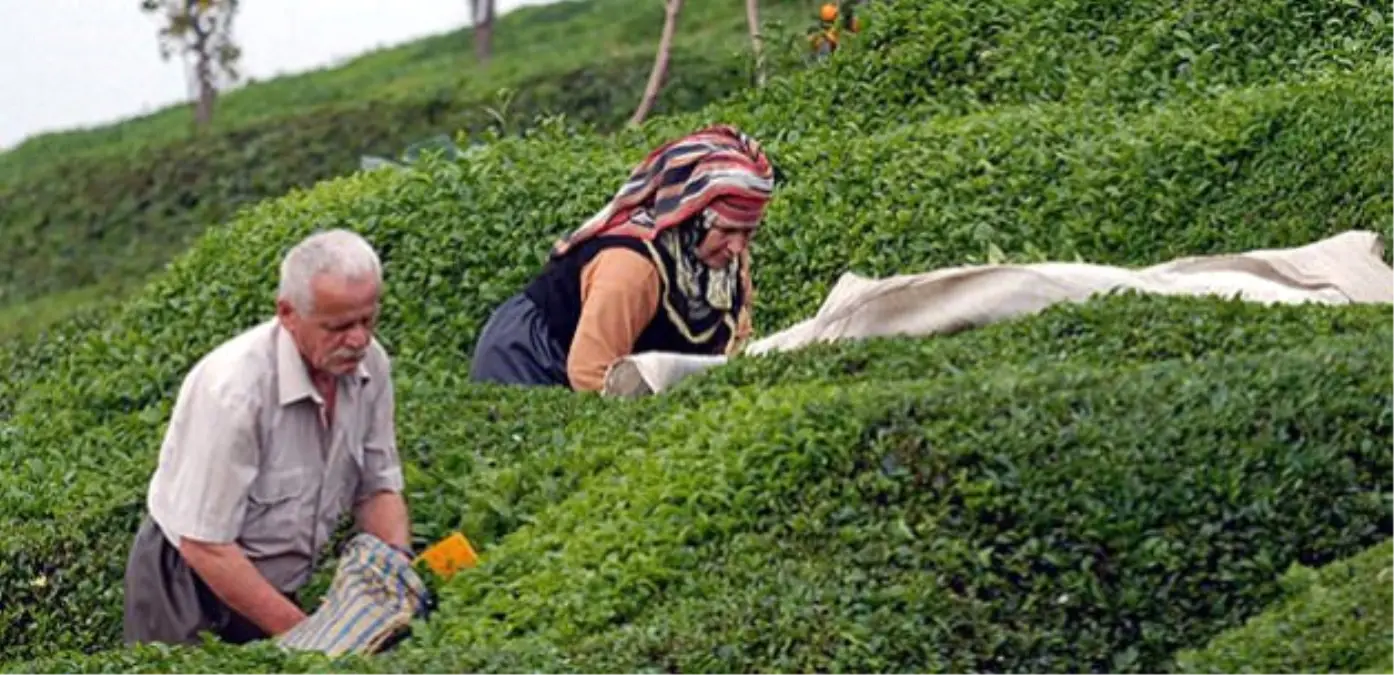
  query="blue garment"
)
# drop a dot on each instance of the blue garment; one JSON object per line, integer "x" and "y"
{"x": 516, "y": 347}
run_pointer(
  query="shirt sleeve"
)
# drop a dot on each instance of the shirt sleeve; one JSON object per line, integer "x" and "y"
{"x": 382, "y": 468}
{"x": 207, "y": 464}
{"x": 619, "y": 297}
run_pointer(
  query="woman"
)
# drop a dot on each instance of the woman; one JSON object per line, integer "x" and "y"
{"x": 663, "y": 267}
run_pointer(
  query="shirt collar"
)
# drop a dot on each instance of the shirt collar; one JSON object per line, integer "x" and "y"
{"x": 293, "y": 378}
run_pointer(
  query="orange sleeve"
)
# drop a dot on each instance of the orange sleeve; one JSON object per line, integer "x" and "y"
{"x": 619, "y": 297}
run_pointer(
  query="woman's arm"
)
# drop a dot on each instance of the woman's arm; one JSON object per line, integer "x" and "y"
{"x": 619, "y": 297}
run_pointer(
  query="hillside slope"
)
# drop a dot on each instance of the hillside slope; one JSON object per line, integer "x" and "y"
{"x": 104, "y": 208}
{"x": 1095, "y": 487}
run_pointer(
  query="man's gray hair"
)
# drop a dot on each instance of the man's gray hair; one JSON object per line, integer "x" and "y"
{"x": 339, "y": 253}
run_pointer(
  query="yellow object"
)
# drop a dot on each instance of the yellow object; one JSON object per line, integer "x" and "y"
{"x": 449, "y": 555}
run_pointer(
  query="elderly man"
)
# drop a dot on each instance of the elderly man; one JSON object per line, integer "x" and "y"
{"x": 275, "y": 435}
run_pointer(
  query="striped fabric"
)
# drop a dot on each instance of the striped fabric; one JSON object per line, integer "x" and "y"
{"x": 717, "y": 168}
{"x": 374, "y": 596}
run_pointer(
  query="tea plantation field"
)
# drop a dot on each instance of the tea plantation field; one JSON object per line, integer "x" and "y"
{"x": 91, "y": 213}
{"x": 1134, "y": 484}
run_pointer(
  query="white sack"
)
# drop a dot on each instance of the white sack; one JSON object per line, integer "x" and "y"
{"x": 1343, "y": 269}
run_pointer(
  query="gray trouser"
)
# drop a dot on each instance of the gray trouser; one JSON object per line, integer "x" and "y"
{"x": 167, "y": 602}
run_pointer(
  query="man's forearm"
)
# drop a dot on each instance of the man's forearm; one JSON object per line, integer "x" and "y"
{"x": 384, "y": 515}
{"x": 231, "y": 576}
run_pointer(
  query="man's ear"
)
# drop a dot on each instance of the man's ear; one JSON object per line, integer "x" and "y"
{"x": 284, "y": 311}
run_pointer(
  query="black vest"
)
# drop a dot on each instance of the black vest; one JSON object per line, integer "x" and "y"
{"x": 557, "y": 294}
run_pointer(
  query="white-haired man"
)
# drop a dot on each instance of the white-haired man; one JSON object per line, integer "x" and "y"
{"x": 275, "y": 435}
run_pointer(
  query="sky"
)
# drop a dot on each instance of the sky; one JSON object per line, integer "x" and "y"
{"x": 78, "y": 63}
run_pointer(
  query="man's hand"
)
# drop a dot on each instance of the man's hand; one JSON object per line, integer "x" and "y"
{"x": 238, "y": 584}
{"x": 384, "y": 515}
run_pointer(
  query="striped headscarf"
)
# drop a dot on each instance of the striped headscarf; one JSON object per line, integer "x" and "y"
{"x": 717, "y": 175}
{"x": 718, "y": 168}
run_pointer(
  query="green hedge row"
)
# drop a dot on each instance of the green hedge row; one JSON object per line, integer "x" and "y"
{"x": 1026, "y": 518}
{"x": 946, "y": 58}
{"x": 1272, "y": 166}
{"x": 521, "y": 452}
{"x": 1334, "y": 619}
{"x": 82, "y": 222}
{"x": 1064, "y": 181}
{"x": 1385, "y": 665}
{"x": 27, "y": 355}
{"x": 1026, "y": 521}
{"x": 61, "y": 582}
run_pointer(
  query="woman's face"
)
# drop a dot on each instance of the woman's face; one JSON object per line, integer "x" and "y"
{"x": 723, "y": 241}
{"x": 722, "y": 244}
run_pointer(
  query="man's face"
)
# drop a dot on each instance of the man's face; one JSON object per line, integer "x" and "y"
{"x": 334, "y": 336}
{"x": 722, "y": 244}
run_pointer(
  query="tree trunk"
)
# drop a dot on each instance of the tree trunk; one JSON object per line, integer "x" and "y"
{"x": 203, "y": 76}
{"x": 752, "y": 17}
{"x": 483, "y": 29}
{"x": 660, "y": 63}
{"x": 207, "y": 94}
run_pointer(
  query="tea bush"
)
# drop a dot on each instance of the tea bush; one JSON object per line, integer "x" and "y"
{"x": 1021, "y": 519}
{"x": 1156, "y": 461}
{"x": 489, "y": 460}
{"x": 114, "y": 213}
{"x": 1024, "y": 521}
{"x": 944, "y": 58}
{"x": 457, "y": 240}
{"x": 26, "y": 355}
{"x": 1380, "y": 666}
{"x": 1333, "y": 619}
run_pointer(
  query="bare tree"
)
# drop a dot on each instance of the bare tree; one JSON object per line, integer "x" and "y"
{"x": 752, "y": 17}
{"x": 660, "y": 62}
{"x": 202, "y": 31}
{"x": 483, "y": 11}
